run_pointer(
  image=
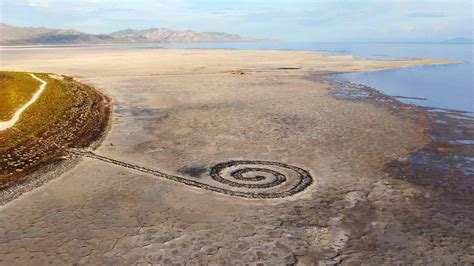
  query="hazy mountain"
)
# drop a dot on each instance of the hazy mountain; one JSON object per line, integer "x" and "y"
{"x": 459, "y": 40}
{"x": 11, "y": 35}
{"x": 167, "y": 35}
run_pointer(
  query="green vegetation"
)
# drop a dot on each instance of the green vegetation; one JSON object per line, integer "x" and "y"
{"x": 16, "y": 89}
{"x": 67, "y": 114}
{"x": 56, "y": 98}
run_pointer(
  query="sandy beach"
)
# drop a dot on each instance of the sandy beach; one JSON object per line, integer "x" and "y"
{"x": 182, "y": 112}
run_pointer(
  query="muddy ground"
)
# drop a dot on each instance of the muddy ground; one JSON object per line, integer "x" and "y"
{"x": 184, "y": 118}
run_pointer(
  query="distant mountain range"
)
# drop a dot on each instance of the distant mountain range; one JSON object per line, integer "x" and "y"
{"x": 12, "y": 35}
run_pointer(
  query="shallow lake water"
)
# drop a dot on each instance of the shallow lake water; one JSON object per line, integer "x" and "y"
{"x": 442, "y": 86}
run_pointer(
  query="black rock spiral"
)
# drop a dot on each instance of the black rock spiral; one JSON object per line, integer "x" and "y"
{"x": 248, "y": 177}
{"x": 243, "y": 175}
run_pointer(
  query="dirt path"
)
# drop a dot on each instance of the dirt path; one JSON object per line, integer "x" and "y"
{"x": 16, "y": 116}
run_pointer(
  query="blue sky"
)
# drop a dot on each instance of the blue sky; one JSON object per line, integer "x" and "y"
{"x": 287, "y": 20}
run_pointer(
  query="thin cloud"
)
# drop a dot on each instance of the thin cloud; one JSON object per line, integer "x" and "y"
{"x": 426, "y": 14}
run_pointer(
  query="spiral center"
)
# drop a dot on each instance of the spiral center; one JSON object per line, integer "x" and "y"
{"x": 279, "y": 179}
{"x": 275, "y": 178}
{"x": 239, "y": 174}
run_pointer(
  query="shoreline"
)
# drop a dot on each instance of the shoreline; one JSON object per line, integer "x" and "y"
{"x": 439, "y": 160}
{"x": 443, "y": 170}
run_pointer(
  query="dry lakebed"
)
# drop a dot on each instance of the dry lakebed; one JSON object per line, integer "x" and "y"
{"x": 226, "y": 157}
